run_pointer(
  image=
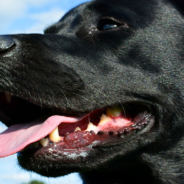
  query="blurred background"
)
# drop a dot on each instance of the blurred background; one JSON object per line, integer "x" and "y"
{"x": 30, "y": 16}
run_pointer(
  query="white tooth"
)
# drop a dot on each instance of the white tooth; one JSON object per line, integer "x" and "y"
{"x": 104, "y": 119}
{"x": 44, "y": 142}
{"x": 8, "y": 98}
{"x": 54, "y": 135}
{"x": 91, "y": 127}
{"x": 77, "y": 129}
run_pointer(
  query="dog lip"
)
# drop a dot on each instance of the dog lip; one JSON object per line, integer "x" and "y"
{"x": 104, "y": 136}
{"x": 16, "y": 110}
{"x": 143, "y": 122}
{"x": 74, "y": 147}
{"x": 81, "y": 142}
{"x": 8, "y": 98}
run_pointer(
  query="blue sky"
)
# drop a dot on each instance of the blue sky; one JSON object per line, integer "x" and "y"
{"x": 30, "y": 16}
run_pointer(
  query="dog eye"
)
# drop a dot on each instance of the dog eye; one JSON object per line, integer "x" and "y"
{"x": 107, "y": 24}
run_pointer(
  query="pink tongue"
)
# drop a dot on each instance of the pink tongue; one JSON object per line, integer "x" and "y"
{"x": 17, "y": 137}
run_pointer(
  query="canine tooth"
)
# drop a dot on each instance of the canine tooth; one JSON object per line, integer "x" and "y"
{"x": 104, "y": 119}
{"x": 91, "y": 127}
{"x": 54, "y": 135}
{"x": 77, "y": 129}
{"x": 44, "y": 142}
{"x": 114, "y": 111}
{"x": 8, "y": 98}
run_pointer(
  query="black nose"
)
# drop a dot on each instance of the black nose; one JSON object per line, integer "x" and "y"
{"x": 6, "y": 42}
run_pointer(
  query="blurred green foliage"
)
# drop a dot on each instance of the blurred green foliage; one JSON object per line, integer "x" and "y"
{"x": 34, "y": 182}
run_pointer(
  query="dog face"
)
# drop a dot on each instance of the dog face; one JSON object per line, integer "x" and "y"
{"x": 108, "y": 77}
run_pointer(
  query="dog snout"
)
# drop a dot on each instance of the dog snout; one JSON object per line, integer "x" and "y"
{"x": 6, "y": 43}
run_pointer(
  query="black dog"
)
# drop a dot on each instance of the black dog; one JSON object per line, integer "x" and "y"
{"x": 109, "y": 77}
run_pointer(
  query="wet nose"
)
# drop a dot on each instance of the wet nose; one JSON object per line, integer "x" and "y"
{"x": 6, "y": 43}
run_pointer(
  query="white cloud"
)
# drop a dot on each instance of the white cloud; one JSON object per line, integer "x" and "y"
{"x": 53, "y": 14}
{"x": 33, "y": 2}
{"x": 11, "y": 10}
{"x": 25, "y": 177}
{"x": 16, "y": 176}
{"x": 44, "y": 20}
{"x": 41, "y": 21}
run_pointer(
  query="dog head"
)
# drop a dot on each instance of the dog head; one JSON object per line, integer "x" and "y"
{"x": 108, "y": 77}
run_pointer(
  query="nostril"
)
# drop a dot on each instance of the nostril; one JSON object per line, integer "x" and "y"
{"x": 6, "y": 43}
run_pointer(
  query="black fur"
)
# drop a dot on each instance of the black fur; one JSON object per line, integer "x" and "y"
{"x": 76, "y": 67}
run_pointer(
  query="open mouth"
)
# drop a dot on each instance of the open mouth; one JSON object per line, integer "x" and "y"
{"x": 38, "y": 129}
